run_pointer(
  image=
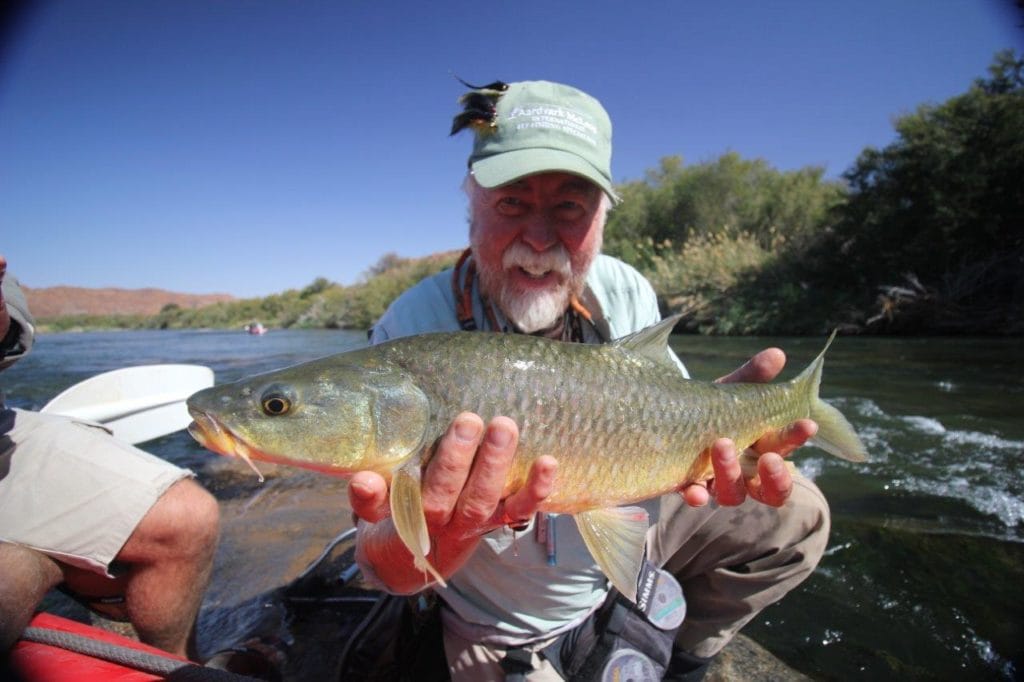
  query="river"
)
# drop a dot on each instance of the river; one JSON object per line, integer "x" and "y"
{"x": 922, "y": 576}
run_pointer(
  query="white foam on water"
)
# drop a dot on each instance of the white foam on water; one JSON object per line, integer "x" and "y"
{"x": 863, "y": 407}
{"x": 988, "y": 499}
{"x": 925, "y": 424}
{"x": 832, "y": 636}
{"x": 983, "y": 648}
{"x": 920, "y": 454}
{"x": 876, "y": 442}
{"x": 984, "y": 440}
{"x": 838, "y": 548}
{"x": 811, "y": 467}
{"x": 985, "y": 474}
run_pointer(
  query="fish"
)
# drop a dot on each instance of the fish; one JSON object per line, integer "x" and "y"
{"x": 621, "y": 419}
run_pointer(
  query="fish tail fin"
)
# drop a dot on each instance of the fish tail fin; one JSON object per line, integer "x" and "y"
{"x": 835, "y": 434}
{"x": 407, "y": 515}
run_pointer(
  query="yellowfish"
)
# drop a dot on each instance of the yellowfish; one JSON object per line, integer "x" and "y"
{"x": 620, "y": 418}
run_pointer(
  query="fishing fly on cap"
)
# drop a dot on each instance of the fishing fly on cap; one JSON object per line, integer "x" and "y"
{"x": 479, "y": 107}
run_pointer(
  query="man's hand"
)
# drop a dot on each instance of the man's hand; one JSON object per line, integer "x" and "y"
{"x": 5, "y": 317}
{"x": 773, "y": 483}
{"x": 462, "y": 493}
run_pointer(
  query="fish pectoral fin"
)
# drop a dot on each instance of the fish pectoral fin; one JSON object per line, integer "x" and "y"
{"x": 407, "y": 515}
{"x": 615, "y": 538}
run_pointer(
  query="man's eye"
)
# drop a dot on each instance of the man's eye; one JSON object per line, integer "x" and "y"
{"x": 511, "y": 206}
{"x": 569, "y": 210}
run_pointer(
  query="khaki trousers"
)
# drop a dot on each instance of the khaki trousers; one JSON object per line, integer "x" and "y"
{"x": 732, "y": 562}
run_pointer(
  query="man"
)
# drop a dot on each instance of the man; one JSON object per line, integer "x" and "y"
{"x": 539, "y": 188}
{"x": 125, "y": 532}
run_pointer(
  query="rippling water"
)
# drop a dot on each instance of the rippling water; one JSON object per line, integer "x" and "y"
{"x": 922, "y": 575}
{"x": 927, "y": 548}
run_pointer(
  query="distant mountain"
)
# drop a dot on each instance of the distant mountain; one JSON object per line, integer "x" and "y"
{"x": 53, "y": 302}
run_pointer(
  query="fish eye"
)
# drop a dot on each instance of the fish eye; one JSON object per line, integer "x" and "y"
{"x": 276, "y": 404}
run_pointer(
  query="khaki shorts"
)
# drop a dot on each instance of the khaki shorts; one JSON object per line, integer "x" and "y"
{"x": 72, "y": 491}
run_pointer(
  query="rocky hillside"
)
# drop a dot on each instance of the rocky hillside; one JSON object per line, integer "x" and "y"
{"x": 51, "y": 302}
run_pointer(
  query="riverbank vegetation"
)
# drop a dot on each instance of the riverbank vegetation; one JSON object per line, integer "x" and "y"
{"x": 922, "y": 236}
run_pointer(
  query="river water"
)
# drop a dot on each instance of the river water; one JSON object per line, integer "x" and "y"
{"x": 922, "y": 576}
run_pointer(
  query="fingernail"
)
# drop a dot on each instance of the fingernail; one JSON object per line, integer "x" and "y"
{"x": 499, "y": 437}
{"x": 466, "y": 430}
{"x": 360, "y": 489}
{"x": 774, "y": 466}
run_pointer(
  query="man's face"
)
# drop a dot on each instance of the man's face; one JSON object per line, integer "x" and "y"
{"x": 533, "y": 241}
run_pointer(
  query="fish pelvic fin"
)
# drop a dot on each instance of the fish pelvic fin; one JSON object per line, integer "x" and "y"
{"x": 652, "y": 342}
{"x": 835, "y": 434}
{"x": 407, "y": 515}
{"x": 615, "y": 538}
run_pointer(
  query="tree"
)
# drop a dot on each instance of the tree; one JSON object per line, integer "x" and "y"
{"x": 729, "y": 196}
{"x": 936, "y": 216}
{"x": 317, "y": 286}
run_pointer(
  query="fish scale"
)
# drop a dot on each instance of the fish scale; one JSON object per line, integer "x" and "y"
{"x": 621, "y": 420}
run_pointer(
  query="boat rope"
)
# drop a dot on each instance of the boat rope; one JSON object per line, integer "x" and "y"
{"x": 155, "y": 664}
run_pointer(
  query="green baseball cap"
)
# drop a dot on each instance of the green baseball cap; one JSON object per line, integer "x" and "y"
{"x": 539, "y": 127}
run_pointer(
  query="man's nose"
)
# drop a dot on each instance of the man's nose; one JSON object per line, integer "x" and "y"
{"x": 539, "y": 234}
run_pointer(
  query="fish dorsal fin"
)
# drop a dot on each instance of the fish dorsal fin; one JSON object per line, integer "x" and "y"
{"x": 652, "y": 342}
{"x": 407, "y": 515}
{"x": 615, "y": 538}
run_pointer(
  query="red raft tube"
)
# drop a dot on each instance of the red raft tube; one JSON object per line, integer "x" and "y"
{"x": 55, "y": 649}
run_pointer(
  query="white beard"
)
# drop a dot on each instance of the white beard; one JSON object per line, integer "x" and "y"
{"x": 536, "y": 310}
{"x": 528, "y": 309}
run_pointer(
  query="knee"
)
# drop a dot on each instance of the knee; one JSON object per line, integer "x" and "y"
{"x": 197, "y": 513}
{"x": 812, "y": 522}
{"x": 185, "y": 522}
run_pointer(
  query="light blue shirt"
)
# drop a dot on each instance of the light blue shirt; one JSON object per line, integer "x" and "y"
{"x": 506, "y": 593}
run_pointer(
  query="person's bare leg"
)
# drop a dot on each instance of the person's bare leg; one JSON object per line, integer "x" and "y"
{"x": 169, "y": 558}
{"x": 27, "y": 575}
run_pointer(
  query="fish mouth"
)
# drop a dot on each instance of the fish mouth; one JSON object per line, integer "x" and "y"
{"x": 215, "y": 436}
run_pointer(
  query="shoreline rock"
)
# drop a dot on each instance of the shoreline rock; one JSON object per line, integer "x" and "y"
{"x": 745, "y": 659}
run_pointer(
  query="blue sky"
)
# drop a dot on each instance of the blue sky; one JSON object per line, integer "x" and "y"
{"x": 250, "y": 146}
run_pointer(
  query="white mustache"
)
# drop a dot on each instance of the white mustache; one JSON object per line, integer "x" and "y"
{"x": 555, "y": 259}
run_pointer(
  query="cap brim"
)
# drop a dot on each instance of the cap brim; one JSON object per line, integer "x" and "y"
{"x": 507, "y": 167}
